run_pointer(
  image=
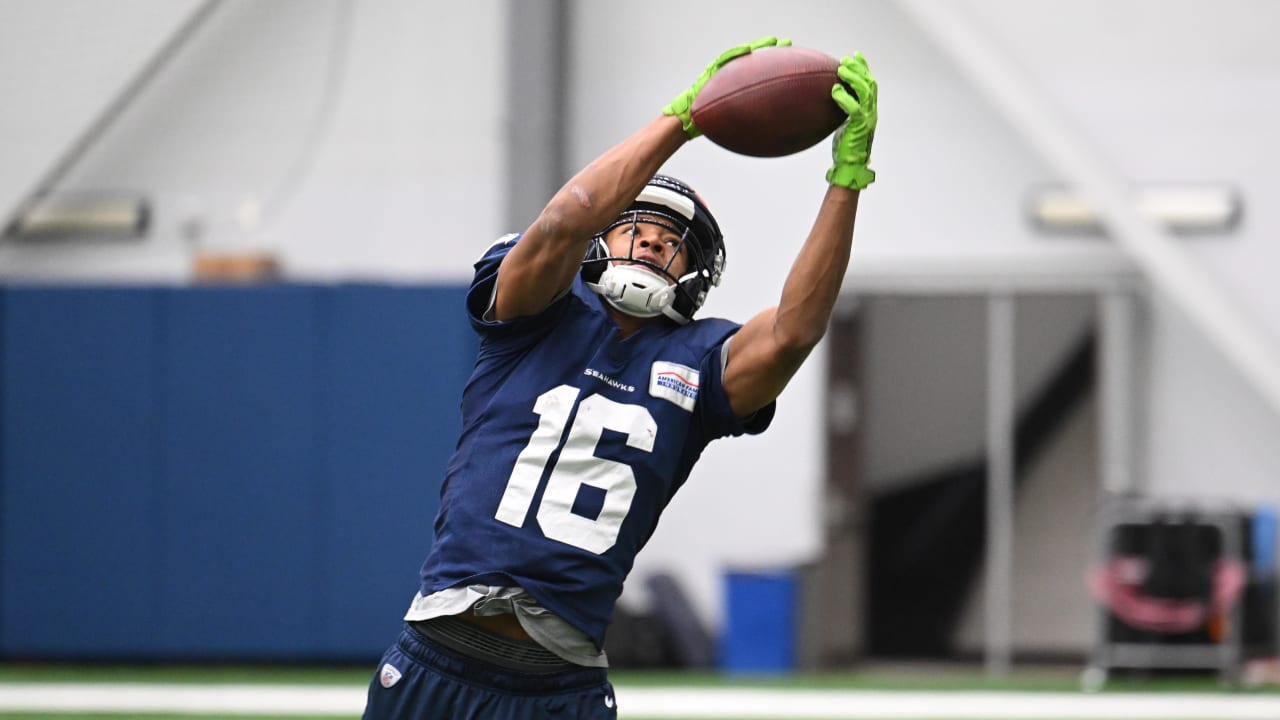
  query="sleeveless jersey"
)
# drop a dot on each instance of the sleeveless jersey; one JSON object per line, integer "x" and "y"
{"x": 573, "y": 443}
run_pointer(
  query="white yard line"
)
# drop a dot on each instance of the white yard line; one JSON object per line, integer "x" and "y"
{"x": 846, "y": 704}
{"x": 653, "y": 702}
{"x": 182, "y": 698}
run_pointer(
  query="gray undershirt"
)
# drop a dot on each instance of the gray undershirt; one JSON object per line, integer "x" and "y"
{"x": 544, "y": 627}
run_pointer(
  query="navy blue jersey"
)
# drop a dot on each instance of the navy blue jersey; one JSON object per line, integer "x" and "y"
{"x": 573, "y": 443}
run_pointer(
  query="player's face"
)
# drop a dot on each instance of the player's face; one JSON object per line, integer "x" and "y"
{"x": 650, "y": 239}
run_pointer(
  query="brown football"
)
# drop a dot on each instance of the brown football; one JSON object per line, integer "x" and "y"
{"x": 771, "y": 102}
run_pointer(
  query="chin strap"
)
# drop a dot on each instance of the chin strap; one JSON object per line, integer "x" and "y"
{"x": 637, "y": 292}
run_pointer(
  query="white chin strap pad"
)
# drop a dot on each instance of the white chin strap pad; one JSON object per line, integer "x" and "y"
{"x": 635, "y": 291}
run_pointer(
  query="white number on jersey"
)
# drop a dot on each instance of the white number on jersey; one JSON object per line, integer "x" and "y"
{"x": 577, "y": 466}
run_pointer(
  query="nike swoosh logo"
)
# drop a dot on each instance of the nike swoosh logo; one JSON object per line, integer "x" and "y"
{"x": 608, "y": 701}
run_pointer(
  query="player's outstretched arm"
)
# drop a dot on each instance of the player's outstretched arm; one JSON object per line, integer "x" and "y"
{"x": 545, "y": 260}
{"x": 768, "y": 350}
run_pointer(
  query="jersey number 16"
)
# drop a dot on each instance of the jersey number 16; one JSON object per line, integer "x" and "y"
{"x": 577, "y": 465}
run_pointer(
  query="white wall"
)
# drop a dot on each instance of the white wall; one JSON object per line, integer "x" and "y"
{"x": 59, "y": 63}
{"x": 1180, "y": 92}
{"x": 408, "y": 184}
{"x": 365, "y": 140}
{"x": 62, "y": 63}
{"x": 333, "y": 134}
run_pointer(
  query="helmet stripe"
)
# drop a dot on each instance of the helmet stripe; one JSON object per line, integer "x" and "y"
{"x": 667, "y": 198}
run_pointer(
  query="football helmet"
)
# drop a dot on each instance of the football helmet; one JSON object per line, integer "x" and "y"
{"x": 643, "y": 289}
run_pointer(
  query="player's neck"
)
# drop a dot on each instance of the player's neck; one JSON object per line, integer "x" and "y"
{"x": 628, "y": 324}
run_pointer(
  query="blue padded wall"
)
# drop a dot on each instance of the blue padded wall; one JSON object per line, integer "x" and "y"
{"x": 221, "y": 473}
{"x": 392, "y": 411}
{"x": 79, "y": 553}
{"x": 241, "y": 557}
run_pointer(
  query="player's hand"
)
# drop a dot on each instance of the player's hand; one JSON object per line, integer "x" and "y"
{"x": 682, "y": 105}
{"x": 851, "y": 147}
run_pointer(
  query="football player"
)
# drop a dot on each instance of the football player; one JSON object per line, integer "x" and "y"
{"x": 594, "y": 393}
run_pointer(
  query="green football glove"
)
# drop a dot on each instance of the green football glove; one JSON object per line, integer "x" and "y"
{"x": 851, "y": 148}
{"x": 682, "y": 105}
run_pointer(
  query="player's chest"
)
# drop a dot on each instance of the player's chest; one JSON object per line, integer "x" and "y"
{"x": 656, "y": 375}
{"x": 645, "y": 393}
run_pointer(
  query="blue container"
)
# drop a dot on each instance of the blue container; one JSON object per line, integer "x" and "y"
{"x": 1264, "y": 543}
{"x": 760, "y": 622}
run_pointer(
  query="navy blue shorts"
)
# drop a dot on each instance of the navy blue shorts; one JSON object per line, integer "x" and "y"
{"x": 419, "y": 679}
